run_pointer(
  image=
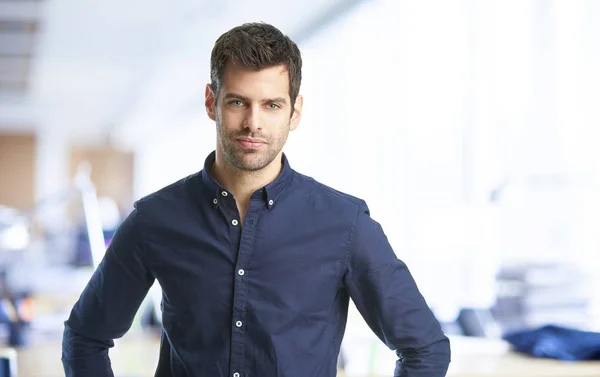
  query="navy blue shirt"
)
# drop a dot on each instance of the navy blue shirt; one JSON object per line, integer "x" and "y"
{"x": 266, "y": 299}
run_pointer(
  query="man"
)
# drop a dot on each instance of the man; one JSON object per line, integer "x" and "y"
{"x": 257, "y": 262}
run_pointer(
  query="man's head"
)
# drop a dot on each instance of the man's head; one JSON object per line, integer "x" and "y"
{"x": 253, "y": 95}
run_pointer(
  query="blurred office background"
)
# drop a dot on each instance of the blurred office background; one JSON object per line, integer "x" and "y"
{"x": 471, "y": 128}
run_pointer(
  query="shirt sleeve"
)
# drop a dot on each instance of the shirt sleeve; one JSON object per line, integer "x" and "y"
{"x": 389, "y": 300}
{"x": 106, "y": 308}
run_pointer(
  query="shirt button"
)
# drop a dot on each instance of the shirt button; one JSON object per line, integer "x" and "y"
{"x": 224, "y": 193}
{"x": 238, "y": 324}
{"x": 241, "y": 272}
{"x": 271, "y": 202}
{"x": 215, "y": 201}
{"x": 234, "y": 222}
{"x": 236, "y": 374}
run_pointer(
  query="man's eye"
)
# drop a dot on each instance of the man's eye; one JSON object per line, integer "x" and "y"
{"x": 274, "y": 106}
{"x": 236, "y": 103}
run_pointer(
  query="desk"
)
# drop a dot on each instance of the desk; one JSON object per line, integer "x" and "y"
{"x": 472, "y": 357}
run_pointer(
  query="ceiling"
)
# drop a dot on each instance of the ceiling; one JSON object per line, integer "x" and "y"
{"x": 95, "y": 69}
{"x": 19, "y": 28}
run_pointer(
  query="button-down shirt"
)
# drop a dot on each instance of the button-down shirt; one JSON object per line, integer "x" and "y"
{"x": 266, "y": 299}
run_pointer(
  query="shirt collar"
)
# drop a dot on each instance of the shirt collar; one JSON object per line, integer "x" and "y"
{"x": 270, "y": 193}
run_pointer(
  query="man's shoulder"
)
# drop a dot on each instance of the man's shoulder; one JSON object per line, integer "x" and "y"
{"x": 169, "y": 195}
{"x": 328, "y": 193}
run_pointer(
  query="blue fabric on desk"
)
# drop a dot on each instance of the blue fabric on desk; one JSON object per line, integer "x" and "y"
{"x": 557, "y": 343}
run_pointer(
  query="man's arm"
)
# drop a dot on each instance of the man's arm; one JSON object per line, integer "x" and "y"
{"x": 107, "y": 306}
{"x": 386, "y": 295}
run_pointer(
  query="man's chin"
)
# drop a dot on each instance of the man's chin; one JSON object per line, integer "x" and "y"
{"x": 250, "y": 162}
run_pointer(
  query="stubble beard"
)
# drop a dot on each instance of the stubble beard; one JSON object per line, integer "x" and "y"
{"x": 247, "y": 160}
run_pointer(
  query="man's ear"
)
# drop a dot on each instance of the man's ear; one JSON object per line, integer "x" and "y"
{"x": 297, "y": 114}
{"x": 210, "y": 101}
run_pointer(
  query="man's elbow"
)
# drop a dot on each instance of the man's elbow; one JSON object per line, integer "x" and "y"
{"x": 441, "y": 352}
{"x": 76, "y": 345}
{"x": 433, "y": 359}
{"x": 83, "y": 356}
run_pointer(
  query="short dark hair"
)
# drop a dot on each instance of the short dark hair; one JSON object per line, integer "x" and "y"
{"x": 257, "y": 46}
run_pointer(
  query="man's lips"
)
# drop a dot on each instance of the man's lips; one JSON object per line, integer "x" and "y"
{"x": 251, "y": 143}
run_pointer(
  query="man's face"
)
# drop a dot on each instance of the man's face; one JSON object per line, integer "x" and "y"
{"x": 252, "y": 114}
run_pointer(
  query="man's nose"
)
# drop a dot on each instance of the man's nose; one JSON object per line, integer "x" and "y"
{"x": 252, "y": 120}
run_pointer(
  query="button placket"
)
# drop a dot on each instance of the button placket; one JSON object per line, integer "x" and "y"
{"x": 245, "y": 246}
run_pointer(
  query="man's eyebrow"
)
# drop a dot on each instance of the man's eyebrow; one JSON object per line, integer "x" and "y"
{"x": 277, "y": 100}
{"x": 246, "y": 99}
{"x": 236, "y": 96}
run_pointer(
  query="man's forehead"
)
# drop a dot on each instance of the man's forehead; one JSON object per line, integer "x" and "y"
{"x": 267, "y": 82}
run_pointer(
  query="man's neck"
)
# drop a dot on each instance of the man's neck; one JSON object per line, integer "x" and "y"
{"x": 242, "y": 184}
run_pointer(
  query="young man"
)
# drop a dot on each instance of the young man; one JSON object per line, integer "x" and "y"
{"x": 257, "y": 262}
